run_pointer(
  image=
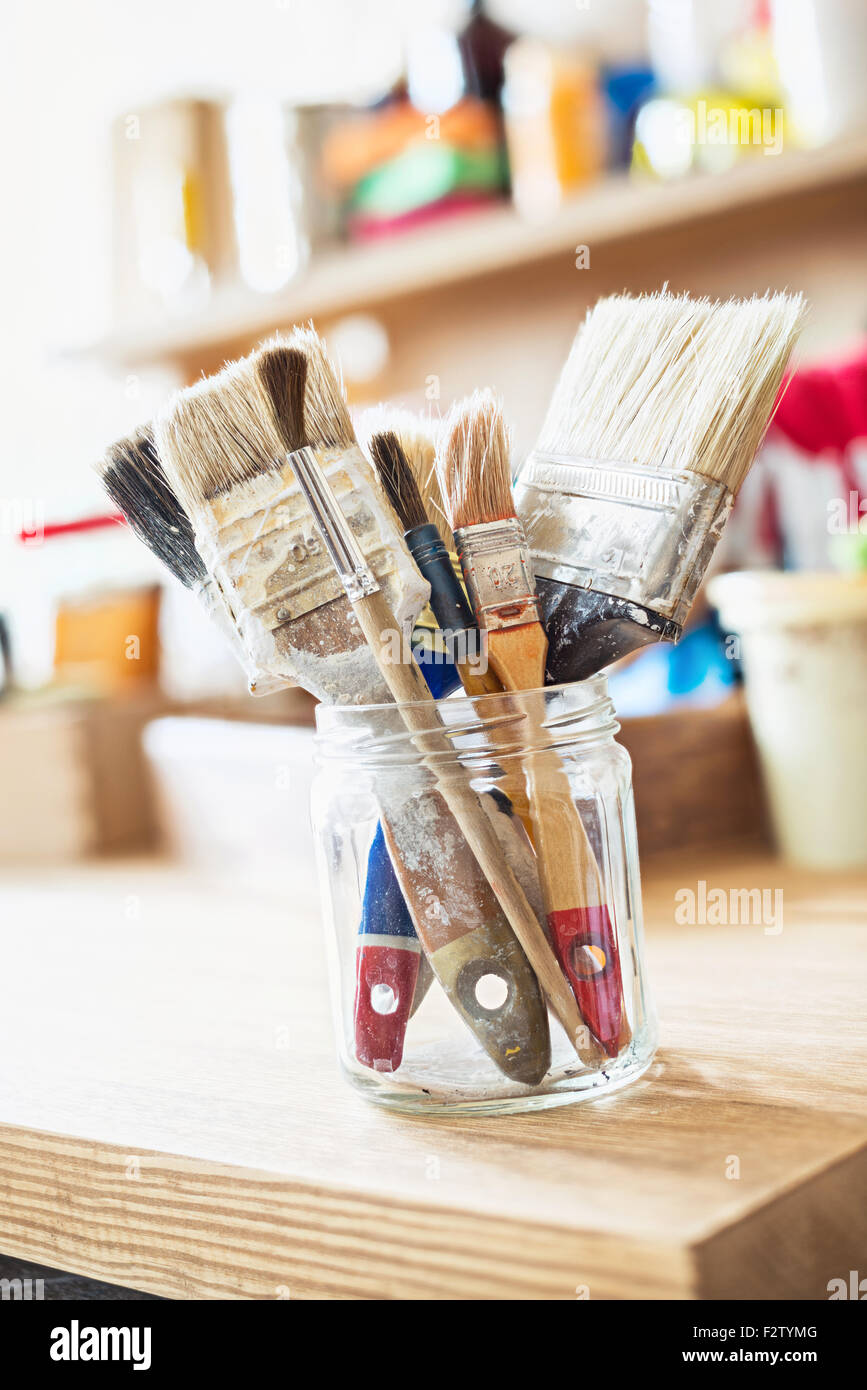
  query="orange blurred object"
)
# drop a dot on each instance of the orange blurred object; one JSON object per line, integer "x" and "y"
{"x": 360, "y": 145}
{"x": 555, "y": 124}
{"x": 108, "y": 641}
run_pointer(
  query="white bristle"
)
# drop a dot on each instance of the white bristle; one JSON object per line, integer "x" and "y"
{"x": 673, "y": 382}
{"x": 473, "y": 462}
{"x": 219, "y": 432}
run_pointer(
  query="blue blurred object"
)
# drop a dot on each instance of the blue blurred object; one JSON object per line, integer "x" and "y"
{"x": 694, "y": 673}
{"x": 625, "y": 89}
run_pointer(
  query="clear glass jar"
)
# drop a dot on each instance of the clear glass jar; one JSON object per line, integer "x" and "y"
{"x": 436, "y": 1003}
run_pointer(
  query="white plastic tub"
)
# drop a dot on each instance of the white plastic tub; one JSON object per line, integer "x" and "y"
{"x": 804, "y": 649}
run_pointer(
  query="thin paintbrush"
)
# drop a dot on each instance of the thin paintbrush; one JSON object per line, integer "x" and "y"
{"x": 654, "y": 423}
{"x": 419, "y": 713}
{"x": 474, "y": 476}
{"x": 447, "y": 599}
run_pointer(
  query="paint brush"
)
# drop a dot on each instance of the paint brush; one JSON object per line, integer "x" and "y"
{"x": 389, "y": 954}
{"x": 654, "y": 423}
{"x": 447, "y": 598}
{"x": 135, "y": 480}
{"x": 492, "y": 548}
{"x": 226, "y": 454}
{"x": 255, "y": 533}
{"x": 419, "y": 713}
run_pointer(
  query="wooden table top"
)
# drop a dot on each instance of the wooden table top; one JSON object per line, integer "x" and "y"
{"x": 172, "y": 1117}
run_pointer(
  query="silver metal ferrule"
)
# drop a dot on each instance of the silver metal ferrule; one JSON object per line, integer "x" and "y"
{"x": 640, "y": 533}
{"x": 356, "y": 575}
{"x": 498, "y": 573}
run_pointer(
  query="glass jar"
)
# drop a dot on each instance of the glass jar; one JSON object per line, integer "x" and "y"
{"x": 435, "y": 980}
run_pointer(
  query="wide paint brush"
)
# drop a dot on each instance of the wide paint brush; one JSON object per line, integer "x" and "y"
{"x": 654, "y": 423}
{"x": 474, "y": 476}
{"x": 392, "y": 971}
{"x": 216, "y": 440}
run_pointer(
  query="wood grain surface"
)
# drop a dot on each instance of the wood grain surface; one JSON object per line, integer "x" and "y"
{"x": 172, "y": 1118}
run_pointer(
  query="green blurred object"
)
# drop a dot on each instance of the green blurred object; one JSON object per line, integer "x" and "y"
{"x": 424, "y": 174}
{"x": 849, "y": 553}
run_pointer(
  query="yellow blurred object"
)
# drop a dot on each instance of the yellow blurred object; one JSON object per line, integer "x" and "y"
{"x": 108, "y": 642}
{"x": 173, "y": 232}
{"x": 555, "y": 128}
{"x": 707, "y": 133}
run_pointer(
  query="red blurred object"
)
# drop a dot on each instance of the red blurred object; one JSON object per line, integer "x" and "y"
{"x": 71, "y": 528}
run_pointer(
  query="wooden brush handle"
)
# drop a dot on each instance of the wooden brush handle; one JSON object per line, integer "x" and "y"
{"x": 568, "y": 873}
{"x": 511, "y": 783}
{"x": 409, "y": 688}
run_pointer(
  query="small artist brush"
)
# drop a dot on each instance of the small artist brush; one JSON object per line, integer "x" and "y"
{"x": 419, "y": 713}
{"x": 492, "y": 549}
{"x": 654, "y": 423}
{"x": 419, "y": 437}
{"x": 447, "y": 598}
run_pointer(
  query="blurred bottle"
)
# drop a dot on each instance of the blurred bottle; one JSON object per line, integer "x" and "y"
{"x": 172, "y": 229}
{"x": 820, "y": 50}
{"x": 483, "y": 45}
{"x": 555, "y": 124}
{"x": 283, "y": 208}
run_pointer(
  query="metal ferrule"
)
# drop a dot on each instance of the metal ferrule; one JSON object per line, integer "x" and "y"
{"x": 356, "y": 576}
{"x": 498, "y": 573}
{"x": 640, "y": 533}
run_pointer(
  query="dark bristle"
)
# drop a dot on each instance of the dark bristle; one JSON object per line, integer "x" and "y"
{"x": 283, "y": 375}
{"x": 396, "y": 476}
{"x": 135, "y": 480}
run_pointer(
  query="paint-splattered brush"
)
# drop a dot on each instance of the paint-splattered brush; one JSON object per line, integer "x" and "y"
{"x": 135, "y": 480}
{"x": 225, "y": 445}
{"x": 654, "y": 423}
{"x": 226, "y": 460}
{"x": 474, "y": 475}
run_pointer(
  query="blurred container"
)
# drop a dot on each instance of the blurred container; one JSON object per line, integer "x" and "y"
{"x": 685, "y": 38}
{"x": 74, "y": 779}
{"x": 804, "y": 649}
{"x": 172, "y": 225}
{"x": 235, "y": 797}
{"x": 820, "y": 47}
{"x": 108, "y": 641}
{"x": 555, "y": 125}
{"x": 284, "y": 208}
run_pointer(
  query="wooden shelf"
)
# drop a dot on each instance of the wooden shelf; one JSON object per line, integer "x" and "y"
{"x": 172, "y": 1118}
{"x": 483, "y": 243}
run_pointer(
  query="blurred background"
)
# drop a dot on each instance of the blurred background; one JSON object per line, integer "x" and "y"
{"x": 443, "y": 188}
